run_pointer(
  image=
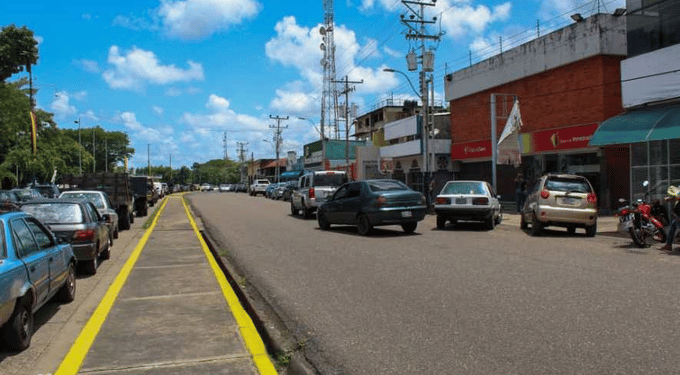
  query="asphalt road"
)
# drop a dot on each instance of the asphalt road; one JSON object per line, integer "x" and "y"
{"x": 462, "y": 300}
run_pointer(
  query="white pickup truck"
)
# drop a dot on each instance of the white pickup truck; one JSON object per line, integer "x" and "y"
{"x": 259, "y": 186}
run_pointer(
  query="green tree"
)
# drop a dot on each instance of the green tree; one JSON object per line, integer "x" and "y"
{"x": 18, "y": 50}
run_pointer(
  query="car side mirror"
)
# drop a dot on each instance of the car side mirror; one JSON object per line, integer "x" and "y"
{"x": 106, "y": 218}
{"x": 498, "y": 197}
{"x": 62, "y": 238}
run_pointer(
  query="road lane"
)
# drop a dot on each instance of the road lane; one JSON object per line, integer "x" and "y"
{"x": 460, "y": 300}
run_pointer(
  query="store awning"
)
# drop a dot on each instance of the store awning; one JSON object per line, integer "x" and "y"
{"x": 648, "y": 124}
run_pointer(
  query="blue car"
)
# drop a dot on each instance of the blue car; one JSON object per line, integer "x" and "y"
{"x": 371, "y": 203}
{"x": 34, "y": 267}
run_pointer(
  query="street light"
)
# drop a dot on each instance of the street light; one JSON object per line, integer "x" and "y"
{"x": 408, "y": 79}
{"x": 80, "y": 149}
{"x": 323, "y": 142}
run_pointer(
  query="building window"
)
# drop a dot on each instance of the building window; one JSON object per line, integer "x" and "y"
{"x": 652, "y": 25}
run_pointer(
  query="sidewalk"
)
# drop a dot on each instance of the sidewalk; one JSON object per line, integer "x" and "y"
{"x": 606, "y": 225}
{"x": 172, "y": 314}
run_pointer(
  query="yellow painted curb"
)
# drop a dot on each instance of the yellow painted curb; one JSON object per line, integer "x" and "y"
{"x": 251, "y": 337}
{"x": 76, "y": 355}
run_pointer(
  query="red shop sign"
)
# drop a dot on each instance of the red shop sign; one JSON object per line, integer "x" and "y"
{"x": 471, "y": 150}
{"x": 564, "y": 138}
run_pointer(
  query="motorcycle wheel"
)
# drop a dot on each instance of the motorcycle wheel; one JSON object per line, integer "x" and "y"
{"x": 637, "y": 236}
{"x": 659, "y": 235}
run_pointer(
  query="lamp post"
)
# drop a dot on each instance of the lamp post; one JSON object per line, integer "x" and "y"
{"x": 323, "y": 142}
{"x": 80, "y": 149}
{"x": 408, "y": 79}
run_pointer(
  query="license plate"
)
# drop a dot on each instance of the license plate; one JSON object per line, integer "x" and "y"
{"x": 461, "y": 200}
{"x": 406, "y": 214}
{"x": 570, "y": 201}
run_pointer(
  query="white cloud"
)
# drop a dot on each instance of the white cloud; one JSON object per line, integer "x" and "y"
{"x": 173, "y": 91}
{"x": 61, "y": 106}
{"x": 88, "y": 65}
{"x": 157, "y": 110}
{"x": 458, "y": 18}
{"x": 387, "y": 4}
{"x": 393, "y": 53}
{"x": 551, "y": 8}
{"x": 141, "y": 132}
{"x": 80, "y": 95}
{"x": 139, "y": 67}
{"x": 197, "y": 19}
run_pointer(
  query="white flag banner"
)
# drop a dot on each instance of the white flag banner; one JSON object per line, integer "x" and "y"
{"x": 509, "y": 149}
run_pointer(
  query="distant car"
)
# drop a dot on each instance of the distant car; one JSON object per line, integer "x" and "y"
{"x": 100, "y": 200}
{"x": 224, "y": 188}
{"x": 563, "y": 200}
{"x": 288, "y": 191}
{"x": 9, "y": 201}
{"x": 34, "y": 267}
{"x": 371, "y": 203}
{"x": 46, "y": 190}
{"x": 269, "y": 191}
{"x": 27, "y": 194}
{"x": 314, "y": 188}
{"x": 467, "y": 200}
{"x": 205, "y": 187}
{"x": 80, "y": 223}
{"x": 259, "y": 186}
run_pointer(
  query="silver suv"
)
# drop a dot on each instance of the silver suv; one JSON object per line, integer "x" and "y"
{"x": 259, "y": 187}
{"x": 562, "y": 200}
{"x": 313, "y": 189}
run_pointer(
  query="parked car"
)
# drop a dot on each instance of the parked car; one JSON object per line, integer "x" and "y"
{"x": 314, "y": 188}
{"x": 9, "y": 200}
{"x": 288, "y": 190}
{"x": 101, "y": 201}
{"x": 467, "y": 200}
{"x": 269, "y": 191}
{"x": 46, "y": 190}
{"x": 78, "y": 221}
{"x": 205, "y": 187}
{"x": 27, "y": 194}
{"x": 562, "y": 200}
{"x": 371, "y": 203}
{"x": 259, "y": 187}
{"x": 35, "y": 266}
{"x": 224, "y": 188}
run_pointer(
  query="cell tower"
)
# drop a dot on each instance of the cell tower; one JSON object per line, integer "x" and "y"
{"x": 329, "y": 96}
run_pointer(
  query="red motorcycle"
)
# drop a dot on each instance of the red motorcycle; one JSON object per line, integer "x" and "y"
{"x": 638, "y": 220}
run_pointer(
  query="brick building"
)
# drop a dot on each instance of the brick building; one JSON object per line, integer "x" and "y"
{"x": 567, "y": 82}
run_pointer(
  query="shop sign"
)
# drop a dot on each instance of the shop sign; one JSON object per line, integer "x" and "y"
{"x": 471, "y": 150}
{"x": 560, "y": 139}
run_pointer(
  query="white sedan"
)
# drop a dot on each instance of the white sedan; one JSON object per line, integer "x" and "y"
{"x": 468, "y": 200}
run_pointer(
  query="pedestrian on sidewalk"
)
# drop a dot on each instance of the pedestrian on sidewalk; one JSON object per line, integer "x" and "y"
{"x": 520, "y": 189}
{"x": 675, "y": 222}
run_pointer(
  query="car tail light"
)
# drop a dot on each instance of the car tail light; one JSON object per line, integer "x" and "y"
{"x": 592, "y": 198}
{"x": 480, "y": 201}
{"x": 83, "y": 235}
{"x": 380, "y": 201}
{"x": 545, "y": 194}
{"x": 311, "y": 193}
{"x": 442, "y": 200}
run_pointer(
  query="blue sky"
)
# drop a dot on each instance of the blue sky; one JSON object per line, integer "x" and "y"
{"x": 176, "y": 74}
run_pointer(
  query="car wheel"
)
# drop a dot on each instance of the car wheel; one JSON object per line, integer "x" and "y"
{"x": 124, "y": 222}
{"x": 92, "y": 265}
{"x": 441, "y": 222}
{"x": 19, "y": 328}
{"x": 591, "y": 230}
{"x": 536, "y": 226}
{"x": 67, "y": 293}
{"x": 490, "y": 223}
{"x": 115, "y": 232}
{"x": 306, "y": 213}
{"x": 571, "y": 230}
{"x": 409, "y": 227}
{"x": 522, "y": 223}
{"x": 132, "y": 218}
{"x": 106, "y": 254}
{"x": 499, "y": 218}
{"x": 363, "y": 225}
{"x": 323, "y": 223}
{"x": 293, "y": 210}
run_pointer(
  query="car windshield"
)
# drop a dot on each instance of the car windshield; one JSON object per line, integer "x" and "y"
{"x": 386, "y": 185}
{"x": 5, "y": 196}
{"x": 330, "y": 179}
{"x": 464, "y": 187}
{"x": 95, "y": 198}
{"x": 55, "y": 213}
{"x": 24, "y": 194}
{"x": 574, "y": 185}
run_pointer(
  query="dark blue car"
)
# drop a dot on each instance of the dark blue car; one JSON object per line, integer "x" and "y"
{"x": 371, "y": 203}
{"x": 34, "y": 267}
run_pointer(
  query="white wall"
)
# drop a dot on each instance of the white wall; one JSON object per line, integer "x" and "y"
{"x": 651, "y": 77}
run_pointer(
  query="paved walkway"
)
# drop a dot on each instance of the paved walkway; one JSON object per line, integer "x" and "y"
{"x": 169, "y": 311}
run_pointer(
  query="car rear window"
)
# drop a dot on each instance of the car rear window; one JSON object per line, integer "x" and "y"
{"x": 95, "y": 198}
{"x": 464, "y": 188}
{"x": 330, "y": 179}
{"x": 386, "y": 186}
{"x": 567, "y": 184}
{"x": 55, "y": 213}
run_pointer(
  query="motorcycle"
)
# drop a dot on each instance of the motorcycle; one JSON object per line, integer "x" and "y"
{"x": 638, "y": 220}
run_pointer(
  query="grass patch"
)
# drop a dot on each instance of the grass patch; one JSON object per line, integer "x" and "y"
{"x": 153, "y": 215}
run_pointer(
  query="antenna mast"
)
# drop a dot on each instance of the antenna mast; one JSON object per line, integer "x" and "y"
{"x": 329, "y": 97}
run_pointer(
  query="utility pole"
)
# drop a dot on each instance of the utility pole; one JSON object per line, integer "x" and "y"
{"x": 94, "y": 158}
{"x": 241, "y": 158}
{"x": 148, "y": 159}
{"x": 106, "y": 155}
{"x": 80, "y": 149}
{"x": 277, "y": 139}
{"x": 224, "y": 143}
{"x": 346, "y": 91}
{"x": 416, "y": 30}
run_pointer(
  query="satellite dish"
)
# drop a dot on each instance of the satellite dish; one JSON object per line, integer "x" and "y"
{"x": 322, "y": 47}
{"x": 322, "y": 62}
{"x": 322, "y": 30}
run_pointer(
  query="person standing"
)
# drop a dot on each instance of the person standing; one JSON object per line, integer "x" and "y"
{"x": 520, "y": 189}
{"x": 675, "y": 222}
